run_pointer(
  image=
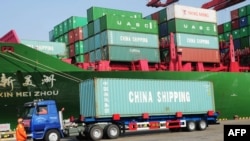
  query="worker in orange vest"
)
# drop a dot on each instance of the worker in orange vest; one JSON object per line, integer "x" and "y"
{"x": 20, "y": 131}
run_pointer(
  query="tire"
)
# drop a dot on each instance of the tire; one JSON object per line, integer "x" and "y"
{"x": 95, "y": 133}
{"x": 112, "y": 131}
{"x": 52, "y": 135}
{"x": 191, "y": 126}
{"x": 201, "y": 125}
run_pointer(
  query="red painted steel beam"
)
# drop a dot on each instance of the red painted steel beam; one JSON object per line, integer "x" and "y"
{"x": 213, "y": 3}
{"x": 228, "y": 4}
{"x": 152, "y": 2}
{"x": 220, "y": 4}
{"x": 158, "y": 3}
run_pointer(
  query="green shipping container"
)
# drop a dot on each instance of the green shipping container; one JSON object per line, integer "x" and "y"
{"x": 97, "y": 40}
{"x": 245, "y": 42}
{"x": 227, "y": 36}
{"x": 91, "y": 43}
{"x": 248, "y": 9}
{"x": 50, "y": 48}
{"x": 227, "y": 26}
{"x": 94, "y": 13}
{"x": 91, "y": 30}
{"x": 236, "y": 34}
{"x": 122, "y": 38}
{"x": 66, "y": 38}
{"x": 194, "y": 27}
{"x": 56, "y": 31}
{"x": 163, "y": 15}
{"x": 79, "y": 47}
{"x": 103, "y": 97}
{"x": 128, "y": 24}
{"x": 196, "y": 41}
{"x": 128, "y": 54}
{"x": 79, "y": 58}
{"x": 61, "y": 32}
{"x": 244, "y": 32}
{"x": 76, "y": 21}
{"x": 242, "y": 11}
{"x": 221, "y": 37}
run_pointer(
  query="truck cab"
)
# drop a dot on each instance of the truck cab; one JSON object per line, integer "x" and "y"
{"x": 42, "y": 120}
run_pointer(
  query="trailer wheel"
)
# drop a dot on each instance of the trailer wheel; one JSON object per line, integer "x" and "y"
{"x": 201, "y": 125}
{"x": 96, "y": 133}
{"x": 52, "y": 135}
{"x": 112, "y": 131}
{"x": 191, "y": 126}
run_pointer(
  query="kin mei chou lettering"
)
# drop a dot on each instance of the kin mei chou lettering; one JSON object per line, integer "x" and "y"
{"x": 160, "y": 96}
{"x": 9, "y": 83}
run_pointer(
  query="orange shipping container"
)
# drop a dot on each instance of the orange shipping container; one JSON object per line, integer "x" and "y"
{"x": 199, "y": 55}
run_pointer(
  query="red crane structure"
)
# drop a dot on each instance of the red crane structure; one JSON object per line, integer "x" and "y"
{"x": 214, "y": 4}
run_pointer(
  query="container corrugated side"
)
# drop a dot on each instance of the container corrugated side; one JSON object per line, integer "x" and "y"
{"x": 199, "y": 55}
{"x": 191, "y": 13}
{"x": 76, "y": 21}
{"x": 103, "y": 97}
{"x": 122, "y": 38}
{"x": 127, "y": 24}
{"x": 95, "y": 12}
{"x": 196, "y": 41}
{"x": 193, "y": 27}
{"x": 128, "y": 54}
{"x": 51, "y": 48}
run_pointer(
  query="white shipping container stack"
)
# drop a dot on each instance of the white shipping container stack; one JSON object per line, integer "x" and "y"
{"x": 195, "y": 48}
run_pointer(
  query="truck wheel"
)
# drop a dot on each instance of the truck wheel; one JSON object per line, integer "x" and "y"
{"x": 52, "y": 135}
{"x": 96, "y": 133}
{"x": 191, "y": 126}
{"x": 201, "y": 125}
{"x": 112, "y": 131}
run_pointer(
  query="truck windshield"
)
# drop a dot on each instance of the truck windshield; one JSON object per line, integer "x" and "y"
{"x": 28, "y": 111}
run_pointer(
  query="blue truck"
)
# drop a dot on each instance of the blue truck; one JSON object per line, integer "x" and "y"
{"x": 112, "y": 106}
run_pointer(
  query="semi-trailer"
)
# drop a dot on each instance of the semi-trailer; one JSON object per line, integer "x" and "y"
{"x": 112, "y": 106}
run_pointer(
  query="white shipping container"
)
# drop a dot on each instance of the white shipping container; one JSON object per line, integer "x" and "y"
{"x": 191, "y": 13}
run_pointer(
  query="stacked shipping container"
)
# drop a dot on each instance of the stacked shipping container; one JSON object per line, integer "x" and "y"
{"x": 124, "y": 36}
{"x": 70, "y": 32}
{"x": 109, "y": 34}
{"x": 195, "y": 30}
{"x": 55, "y": 49}
{"x": 239, "y": 28}
{"x": 118, "y": 35}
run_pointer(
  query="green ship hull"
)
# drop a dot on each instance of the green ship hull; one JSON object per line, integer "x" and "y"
{"x": 27, "y": 74}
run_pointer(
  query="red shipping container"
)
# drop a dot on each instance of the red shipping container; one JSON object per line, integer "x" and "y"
{"x": 234, "y": 14}
{"x": 156, "y": 16}
{"x": 71, "y": 50}
{"x": 220, "y": 29}
{"x": 86, "y": 57}
{"x": 199, "y": 55}
{"x": 78, "y": 34}
{"x": 235, "y": 24}
{"x": 71, "y": 37}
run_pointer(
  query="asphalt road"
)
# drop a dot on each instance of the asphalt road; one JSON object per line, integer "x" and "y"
{"x": 212, "y": 133}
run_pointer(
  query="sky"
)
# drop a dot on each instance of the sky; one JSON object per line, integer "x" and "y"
{"x": 33, "y": 19}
